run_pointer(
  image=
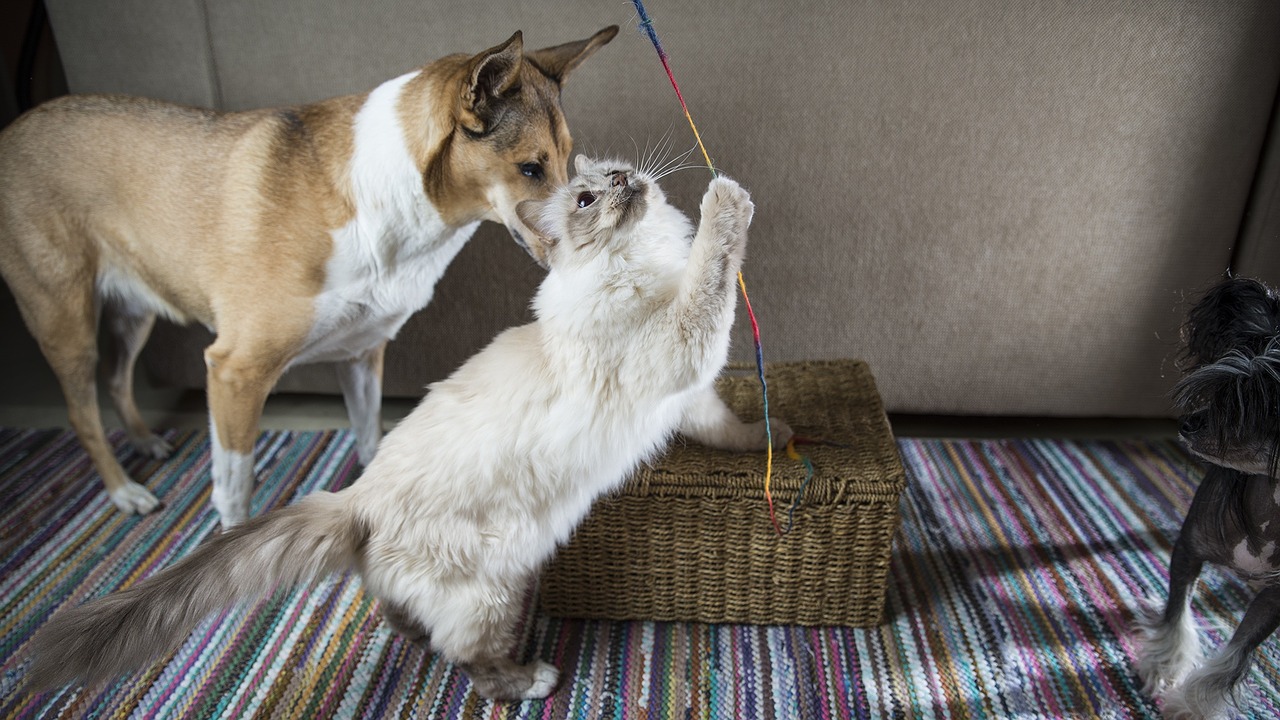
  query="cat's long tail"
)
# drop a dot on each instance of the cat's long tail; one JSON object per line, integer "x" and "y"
{"x": 125, "y": 631}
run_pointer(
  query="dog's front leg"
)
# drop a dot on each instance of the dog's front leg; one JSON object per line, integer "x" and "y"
{"x": 361, "y": 382}
{"x": 239, "y": 382}
{"x": 1209, "y": 689}
{"x": 1170, "y": 644}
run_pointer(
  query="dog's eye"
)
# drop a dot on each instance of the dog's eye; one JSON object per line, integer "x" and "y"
{"x": 586, "y": 199}
{"x": 532, "y": 170}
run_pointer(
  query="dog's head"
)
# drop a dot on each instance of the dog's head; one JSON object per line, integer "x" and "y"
{"x": 1230, "y": 395}
{"x": 505, "y": 139}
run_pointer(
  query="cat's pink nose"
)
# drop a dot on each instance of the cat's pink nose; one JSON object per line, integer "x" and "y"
{"x": 619, "y": 180}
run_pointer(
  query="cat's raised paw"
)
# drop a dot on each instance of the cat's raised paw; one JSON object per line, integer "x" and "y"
{"x": 728, "y": 202}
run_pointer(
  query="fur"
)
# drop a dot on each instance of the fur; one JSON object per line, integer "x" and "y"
{"x": 474, "y": 490}
{"x": 298, "y": 234}
{"x": 1229, "y": 398}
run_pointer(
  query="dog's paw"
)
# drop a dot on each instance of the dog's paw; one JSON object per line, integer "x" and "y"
{"x": 231, "y": 512}
{"x": 151, "y": 445}
{"x": 133, "y": 498}
{"x": 232, "y": 517}
{"x": 366, "y": 449}
{"x": 1168, "y": 652}
{"x": 1177, "y": 703}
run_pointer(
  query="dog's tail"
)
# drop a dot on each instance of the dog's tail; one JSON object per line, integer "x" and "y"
{"x": 125, "y": 631}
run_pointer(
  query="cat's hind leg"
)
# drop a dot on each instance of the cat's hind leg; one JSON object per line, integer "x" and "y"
{"x": 709, "y": 421}
{"x": 474, "y": 627}
{"x": 403, "y": 622}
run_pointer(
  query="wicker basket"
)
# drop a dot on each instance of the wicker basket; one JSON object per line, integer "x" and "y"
{"x": 691, "y": 539}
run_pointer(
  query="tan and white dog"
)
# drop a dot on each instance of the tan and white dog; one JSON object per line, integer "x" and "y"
{"x": 302, "y": 234}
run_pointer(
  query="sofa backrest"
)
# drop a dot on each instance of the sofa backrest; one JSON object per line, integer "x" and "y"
{"x": 1003, "y": 207}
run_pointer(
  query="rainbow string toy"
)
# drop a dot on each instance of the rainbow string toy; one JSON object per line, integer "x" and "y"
{"x": 647, "y": 24}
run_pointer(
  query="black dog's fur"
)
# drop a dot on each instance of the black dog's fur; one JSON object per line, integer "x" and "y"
{"x": 1230, "y": 399}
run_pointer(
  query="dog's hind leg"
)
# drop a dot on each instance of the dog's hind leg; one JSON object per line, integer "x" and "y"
{"x": 65, "y": 329}
{"x": 129, "y": 331}
{"x": 1171, "y": 645}
{"x": 361, "y": 382}
{"x": 1210, "y": 689}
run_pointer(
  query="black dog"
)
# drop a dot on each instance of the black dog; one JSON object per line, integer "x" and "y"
{"x": 1230, "y": 397}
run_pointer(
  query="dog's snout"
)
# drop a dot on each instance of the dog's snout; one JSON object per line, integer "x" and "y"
{"x": 1192, "y": 424}
{"x": 619, "y": 180}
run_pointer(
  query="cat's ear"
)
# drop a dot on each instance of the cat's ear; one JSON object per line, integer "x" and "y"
{"x": 557, "y": 62}
{"x": 540, "y": 238}
{"x": 491, "y": 75}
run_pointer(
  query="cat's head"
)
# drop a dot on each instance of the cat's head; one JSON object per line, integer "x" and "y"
{"x": 604, "y": 198}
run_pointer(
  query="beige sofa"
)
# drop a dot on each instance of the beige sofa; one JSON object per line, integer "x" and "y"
{"x": 1002, "y": 206}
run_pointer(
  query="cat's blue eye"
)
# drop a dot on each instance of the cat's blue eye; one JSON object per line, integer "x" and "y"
{"x": 532, "y": 170}
{"x": 585, "y": 199}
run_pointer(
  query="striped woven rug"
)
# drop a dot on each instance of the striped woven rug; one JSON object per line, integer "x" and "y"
{"x": 1012, "y": 586}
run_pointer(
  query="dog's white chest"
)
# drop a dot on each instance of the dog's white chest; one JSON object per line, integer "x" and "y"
{"x": 1261, "y": 563}
{"x": 371, "y": 292}
{"x": 387, "y": 259}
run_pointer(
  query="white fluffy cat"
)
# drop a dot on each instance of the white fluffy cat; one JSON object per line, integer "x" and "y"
{"x": 471, "y": 493}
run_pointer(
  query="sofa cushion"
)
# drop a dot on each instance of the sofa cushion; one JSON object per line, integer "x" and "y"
{"x": 1002, "y": 207}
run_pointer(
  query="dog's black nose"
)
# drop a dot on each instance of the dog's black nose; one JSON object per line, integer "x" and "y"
{"x": 1192, "y": 424}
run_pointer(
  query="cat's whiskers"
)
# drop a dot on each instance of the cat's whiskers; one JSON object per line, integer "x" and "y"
{"x": 636, "y": 148}
{"x": 678, "y": 168}
{"x": 667, "y": 166}
{"x": 651, "y": 154}
{"x": 649, "y": 151}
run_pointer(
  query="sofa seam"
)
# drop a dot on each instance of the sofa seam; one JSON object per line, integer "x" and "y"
{"x": 1257, "y": 208}
{"x": 215, "y": 78}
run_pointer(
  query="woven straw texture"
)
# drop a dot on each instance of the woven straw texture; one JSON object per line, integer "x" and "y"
{"x": 690, "y": 538}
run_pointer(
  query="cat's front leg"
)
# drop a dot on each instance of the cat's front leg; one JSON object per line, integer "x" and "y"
{"x": 718, "y": 248}
{"x": 709, "y": 421}
{"x": 726, "y": 214}
{"x": 703, "y": 312}
{"x": 722, "y": 232}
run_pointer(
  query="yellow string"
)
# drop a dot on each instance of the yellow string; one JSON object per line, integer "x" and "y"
{"x": 647, "y": 24}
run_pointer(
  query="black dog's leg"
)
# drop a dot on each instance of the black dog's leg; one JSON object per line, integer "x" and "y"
{"x": 1171, "y": 646}
{"x": 1208, "y": 689}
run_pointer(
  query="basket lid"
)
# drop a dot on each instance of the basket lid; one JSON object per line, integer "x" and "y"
{"x": 834, "y": 401}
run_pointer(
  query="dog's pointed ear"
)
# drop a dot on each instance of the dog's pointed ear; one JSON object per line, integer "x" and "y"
{"x": 540, "y": 238}
{"x": 491, "y": 75}
{"x": 557, "y": 62}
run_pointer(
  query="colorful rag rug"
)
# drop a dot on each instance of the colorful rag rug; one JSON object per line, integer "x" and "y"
{"x": 1012, "y": 587}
